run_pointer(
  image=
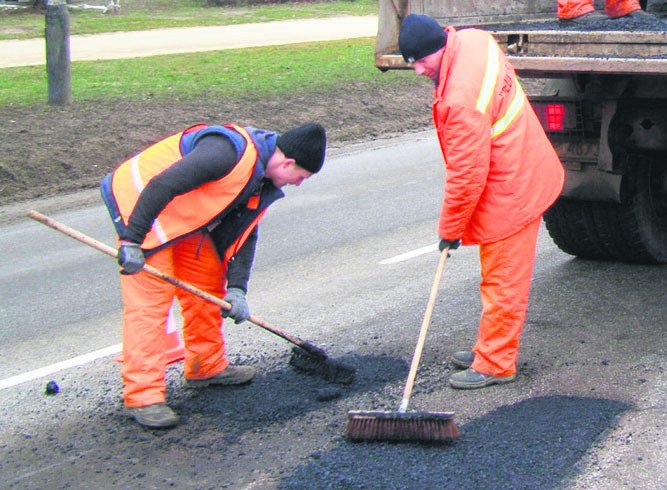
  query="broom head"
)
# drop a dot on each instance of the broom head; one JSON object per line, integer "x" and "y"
{"x": 322, "y": 365}
{"x": 401, "y": 426}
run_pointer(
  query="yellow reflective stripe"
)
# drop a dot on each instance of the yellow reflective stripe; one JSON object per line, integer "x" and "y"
{"x": 488, "y": 88}
{"x": 512, "y": 111}
{"x": 139, "y": 187}
{"x": 490, "y": 77}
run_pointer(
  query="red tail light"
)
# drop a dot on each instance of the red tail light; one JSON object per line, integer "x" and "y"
{"x": 557, "y": 116}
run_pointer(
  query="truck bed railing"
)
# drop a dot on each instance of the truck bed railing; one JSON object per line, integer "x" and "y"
{"x": 554, "y": 53}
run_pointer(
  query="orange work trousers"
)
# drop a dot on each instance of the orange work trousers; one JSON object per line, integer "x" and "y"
{"x": 568, "y": 9}
{"x": 507, "y": 270}
{"x": 146, "y": 304}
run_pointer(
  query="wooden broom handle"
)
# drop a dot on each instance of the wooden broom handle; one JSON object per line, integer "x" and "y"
{"x": 422, "y": 333}
{"x": 102, "y": 247}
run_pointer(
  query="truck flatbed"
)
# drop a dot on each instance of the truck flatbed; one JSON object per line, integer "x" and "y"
{"x": 546, "y": 49}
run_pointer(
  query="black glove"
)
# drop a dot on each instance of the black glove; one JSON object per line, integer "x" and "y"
{"x": 451, "y": 244}
{"x": 130, "y": 257}
{"x": 240, "y": 310}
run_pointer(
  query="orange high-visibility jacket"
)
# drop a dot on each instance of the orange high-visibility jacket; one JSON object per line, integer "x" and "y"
{"x": 501, "y": 170}
{"x": 187, "y": 212}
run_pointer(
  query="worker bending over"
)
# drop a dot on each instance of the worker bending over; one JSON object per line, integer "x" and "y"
{"x": 190, "y": 206}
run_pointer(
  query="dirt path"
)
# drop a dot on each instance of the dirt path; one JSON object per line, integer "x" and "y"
{"x": 136, "y": 44}
{"x": 46, "y": 151}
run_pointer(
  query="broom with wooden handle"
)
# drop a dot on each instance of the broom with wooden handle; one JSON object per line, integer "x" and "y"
{"x": 305, "y": 356}
{"x": 403, "y": 425}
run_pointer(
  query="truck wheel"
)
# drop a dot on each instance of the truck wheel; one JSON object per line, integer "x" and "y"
{"x": 572, "y": 227}
{"x": 641, "y": 219}
{"x": 634, "y": 230}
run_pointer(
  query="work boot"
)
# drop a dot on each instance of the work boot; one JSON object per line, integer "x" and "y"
{"x": 636, "y": 15}
{"x": 463, "y": 358}
{"x": 156, "y": 416}
{"x": 232, "y": 375}
{"x": 588, "y": 18}
{"x": 658, "y": 8}
{"x": 471, "y": 379}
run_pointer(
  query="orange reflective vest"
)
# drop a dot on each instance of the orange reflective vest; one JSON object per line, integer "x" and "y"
{"x": 190, "y": 211}
{"x": 502, "y": 172}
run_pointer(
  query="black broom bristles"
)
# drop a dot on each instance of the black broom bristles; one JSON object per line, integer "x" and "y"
{"x": 401, "y": 426}
{"x": 322, "y": 365}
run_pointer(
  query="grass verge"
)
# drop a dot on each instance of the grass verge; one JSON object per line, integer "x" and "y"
{"x": 241, "y": 73}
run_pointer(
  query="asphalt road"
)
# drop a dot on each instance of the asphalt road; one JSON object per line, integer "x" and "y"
{"x": 589, "y": 409}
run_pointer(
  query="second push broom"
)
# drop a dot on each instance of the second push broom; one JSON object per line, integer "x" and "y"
{"x": 402, "y": 425}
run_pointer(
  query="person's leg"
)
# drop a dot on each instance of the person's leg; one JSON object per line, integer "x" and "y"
{"x": 619, "y": 8}
{"x": 507, "y": 268}
{"x": 569, "y": 9}
{"x": 197, "y": 263}
{"x": 146, "y": 304}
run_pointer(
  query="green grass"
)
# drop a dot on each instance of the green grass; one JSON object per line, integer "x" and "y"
{"x": 242, "y": 73}
{"x": 154, "y": 14}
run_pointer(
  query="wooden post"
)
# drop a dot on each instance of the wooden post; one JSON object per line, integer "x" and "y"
{"x": 58, "y": 63}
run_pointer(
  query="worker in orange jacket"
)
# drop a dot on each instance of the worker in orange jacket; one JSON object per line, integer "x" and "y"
{"x": 189, "y": 206}
{"x": 583, "y": 11}
{"x": 502, "y": 173}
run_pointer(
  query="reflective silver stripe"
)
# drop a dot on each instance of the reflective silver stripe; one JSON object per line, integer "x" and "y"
{"x": 513, "y": 110}
{"x": 490, "y": 77}
{"x": 136, "y": 175}
{"x": 139, "y": 187}
{"x": 157, "y": 228}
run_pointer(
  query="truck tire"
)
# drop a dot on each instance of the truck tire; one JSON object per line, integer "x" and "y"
{"x": 571, "y": 225}
{"x": 633, "y": 231}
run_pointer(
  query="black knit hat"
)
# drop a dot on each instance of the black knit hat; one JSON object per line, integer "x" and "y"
{"x": 420, "y": 35}
{"x": 306, "y": 144}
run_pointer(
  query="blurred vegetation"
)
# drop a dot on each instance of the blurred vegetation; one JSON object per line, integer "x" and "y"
{"x": 154, "y": 14}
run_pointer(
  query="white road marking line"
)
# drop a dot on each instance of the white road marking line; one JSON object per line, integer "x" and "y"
{"x": 59, "y": 366}
{"x": 410, "y": 255}
{"x": 115, "y": 349}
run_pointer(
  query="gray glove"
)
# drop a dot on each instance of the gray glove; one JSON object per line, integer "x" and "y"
{"x": 130, "y": 257}
{"x": 451, "y": 244}
{"x": 240, "y": 310}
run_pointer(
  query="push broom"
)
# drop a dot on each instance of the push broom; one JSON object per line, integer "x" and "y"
{"x": 305, "y": 355}
{"x": 402, "y": 425}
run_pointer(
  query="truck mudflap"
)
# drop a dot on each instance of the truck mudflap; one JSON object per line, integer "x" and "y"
{"x": 588, "y": 183}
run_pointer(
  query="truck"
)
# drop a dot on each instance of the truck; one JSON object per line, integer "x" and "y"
{"x": 602, "y": 102}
